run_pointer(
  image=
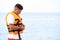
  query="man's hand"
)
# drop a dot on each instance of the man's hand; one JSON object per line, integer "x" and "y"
{"x": 21, "y": 27}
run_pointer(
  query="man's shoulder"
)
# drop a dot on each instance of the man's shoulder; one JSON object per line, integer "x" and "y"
{"x": 9, "y": 14}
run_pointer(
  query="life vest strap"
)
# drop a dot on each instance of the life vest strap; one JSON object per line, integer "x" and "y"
{"x": 13, "y": 30}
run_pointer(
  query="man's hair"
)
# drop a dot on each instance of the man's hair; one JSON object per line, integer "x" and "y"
{"x": 19, "y": 6}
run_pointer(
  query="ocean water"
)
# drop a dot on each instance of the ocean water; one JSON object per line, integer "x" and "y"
{"x": 39, "y": 26}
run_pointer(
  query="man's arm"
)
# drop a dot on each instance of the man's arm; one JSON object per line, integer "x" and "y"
{"x": 20, "y": 27}
{"x": 13, "y": 27}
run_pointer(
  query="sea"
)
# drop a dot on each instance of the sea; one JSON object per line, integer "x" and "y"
{"x": 38, "y": 26}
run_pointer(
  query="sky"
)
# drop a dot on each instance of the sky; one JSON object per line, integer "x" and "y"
{"x": 31, "y": 5}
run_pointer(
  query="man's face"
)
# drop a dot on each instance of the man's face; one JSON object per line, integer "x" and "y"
{"x": 17, "y": 10}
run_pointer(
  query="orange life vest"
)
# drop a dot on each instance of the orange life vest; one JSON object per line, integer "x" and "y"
{"x": 15, "y": 22}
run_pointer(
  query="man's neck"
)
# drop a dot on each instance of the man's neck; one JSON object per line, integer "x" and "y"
{"x": 15, "y": 13}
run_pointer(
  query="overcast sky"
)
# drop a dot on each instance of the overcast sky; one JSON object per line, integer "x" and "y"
{"x": 31, "y": 5}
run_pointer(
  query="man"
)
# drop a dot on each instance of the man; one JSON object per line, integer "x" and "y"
{"x": 14, "y": 23}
